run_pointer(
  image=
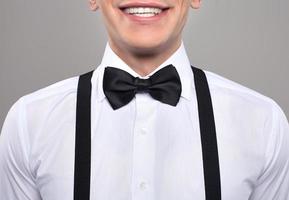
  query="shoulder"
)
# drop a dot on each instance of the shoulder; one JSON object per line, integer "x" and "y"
{"x": 33, "y": 108}
{"x": 36, "y": 107}
{"x": 44, "y": 109}
{"x": 58, "y": 91}
{"x": 239, "y": 102}
{"x": 250, "y": 110}
{"x": 54, "y": 91}
{"x": 46, "y": 103}
{"x": 228, "y": 89}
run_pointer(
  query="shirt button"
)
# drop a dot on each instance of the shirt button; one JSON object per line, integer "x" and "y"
{"x": 143, "y": 131}
{"x": 143, "y": 185}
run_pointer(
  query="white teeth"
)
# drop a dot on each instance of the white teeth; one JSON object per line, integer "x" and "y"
{"x": 143, "y": 11}
{"x": 144, "y": 14}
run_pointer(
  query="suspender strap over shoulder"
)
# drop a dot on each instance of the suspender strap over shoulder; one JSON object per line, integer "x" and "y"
{"x": 82, "y": 139}
{"x": 82, "y": 166}
{"x": 208, "y": 136}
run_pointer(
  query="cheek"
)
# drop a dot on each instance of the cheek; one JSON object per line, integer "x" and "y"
{"x": 176, "y": 21}
{"x": 180, "y": 12}
{"x": 110, "y": 18}
{"x": 183, "y": 14}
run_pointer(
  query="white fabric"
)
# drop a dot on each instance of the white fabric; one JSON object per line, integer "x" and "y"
{"x": 145, "y": 150}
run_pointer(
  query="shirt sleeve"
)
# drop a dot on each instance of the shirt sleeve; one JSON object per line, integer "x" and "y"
{"x": 16, "y": 181}
{"x": 273, "y": 184}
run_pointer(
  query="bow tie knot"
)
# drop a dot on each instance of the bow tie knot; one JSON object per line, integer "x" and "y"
{"x": 142, "y": 85}
{"x": 120, "y": 87}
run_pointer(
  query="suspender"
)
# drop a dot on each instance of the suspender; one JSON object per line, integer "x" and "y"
{"x": 207, "y": 128}
{"x": 208, "y": 136}
{"x": 82, "y": 139}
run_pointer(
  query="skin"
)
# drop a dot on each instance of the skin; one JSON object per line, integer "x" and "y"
{"x": 159, "y": 39}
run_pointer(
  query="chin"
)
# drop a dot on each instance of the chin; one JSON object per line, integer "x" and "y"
{"x": 146, "y": 47}
{"x": 146, "y": 43}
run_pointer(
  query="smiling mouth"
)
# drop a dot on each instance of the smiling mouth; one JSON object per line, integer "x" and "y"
{"x": 143, "y": 11}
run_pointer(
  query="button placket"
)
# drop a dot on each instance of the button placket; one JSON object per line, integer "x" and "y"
{"x": 143, "y": 131}
{"x": 143, "y": 148}
{"x": 143, "y": 185}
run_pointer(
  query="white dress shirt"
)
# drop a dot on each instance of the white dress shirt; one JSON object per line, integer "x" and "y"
{"x": 146, "y": 150}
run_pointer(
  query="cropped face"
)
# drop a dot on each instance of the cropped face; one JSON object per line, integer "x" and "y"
{"x": 144, "y": 26}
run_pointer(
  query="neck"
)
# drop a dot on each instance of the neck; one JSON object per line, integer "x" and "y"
{"x": 144, "y": 61}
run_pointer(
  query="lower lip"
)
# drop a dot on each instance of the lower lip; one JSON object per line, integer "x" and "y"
{"x": 145, "y": 20}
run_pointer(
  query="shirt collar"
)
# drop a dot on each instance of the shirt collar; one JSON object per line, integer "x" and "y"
{"x": 179, "y": 59}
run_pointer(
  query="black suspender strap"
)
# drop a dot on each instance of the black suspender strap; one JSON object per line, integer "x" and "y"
{"x": 82, "y": 165}
{"x": 208, "y": 136}
{"x": 83, "y": 139}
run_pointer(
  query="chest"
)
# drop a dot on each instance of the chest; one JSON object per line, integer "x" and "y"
{"x": 152, "y": 154}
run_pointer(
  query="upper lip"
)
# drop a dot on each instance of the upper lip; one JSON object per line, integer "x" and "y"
{"x": 152, "y": 4}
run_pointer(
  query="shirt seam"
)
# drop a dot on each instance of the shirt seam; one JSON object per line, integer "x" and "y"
{"x": 22, "y": 132}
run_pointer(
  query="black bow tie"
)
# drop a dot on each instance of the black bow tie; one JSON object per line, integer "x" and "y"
{"x": 120, "y": 87}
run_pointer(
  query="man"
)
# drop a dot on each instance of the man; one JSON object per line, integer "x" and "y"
{"x": 145, "y": 124}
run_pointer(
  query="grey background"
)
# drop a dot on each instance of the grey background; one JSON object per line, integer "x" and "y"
{"x": 42, "y": 42}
